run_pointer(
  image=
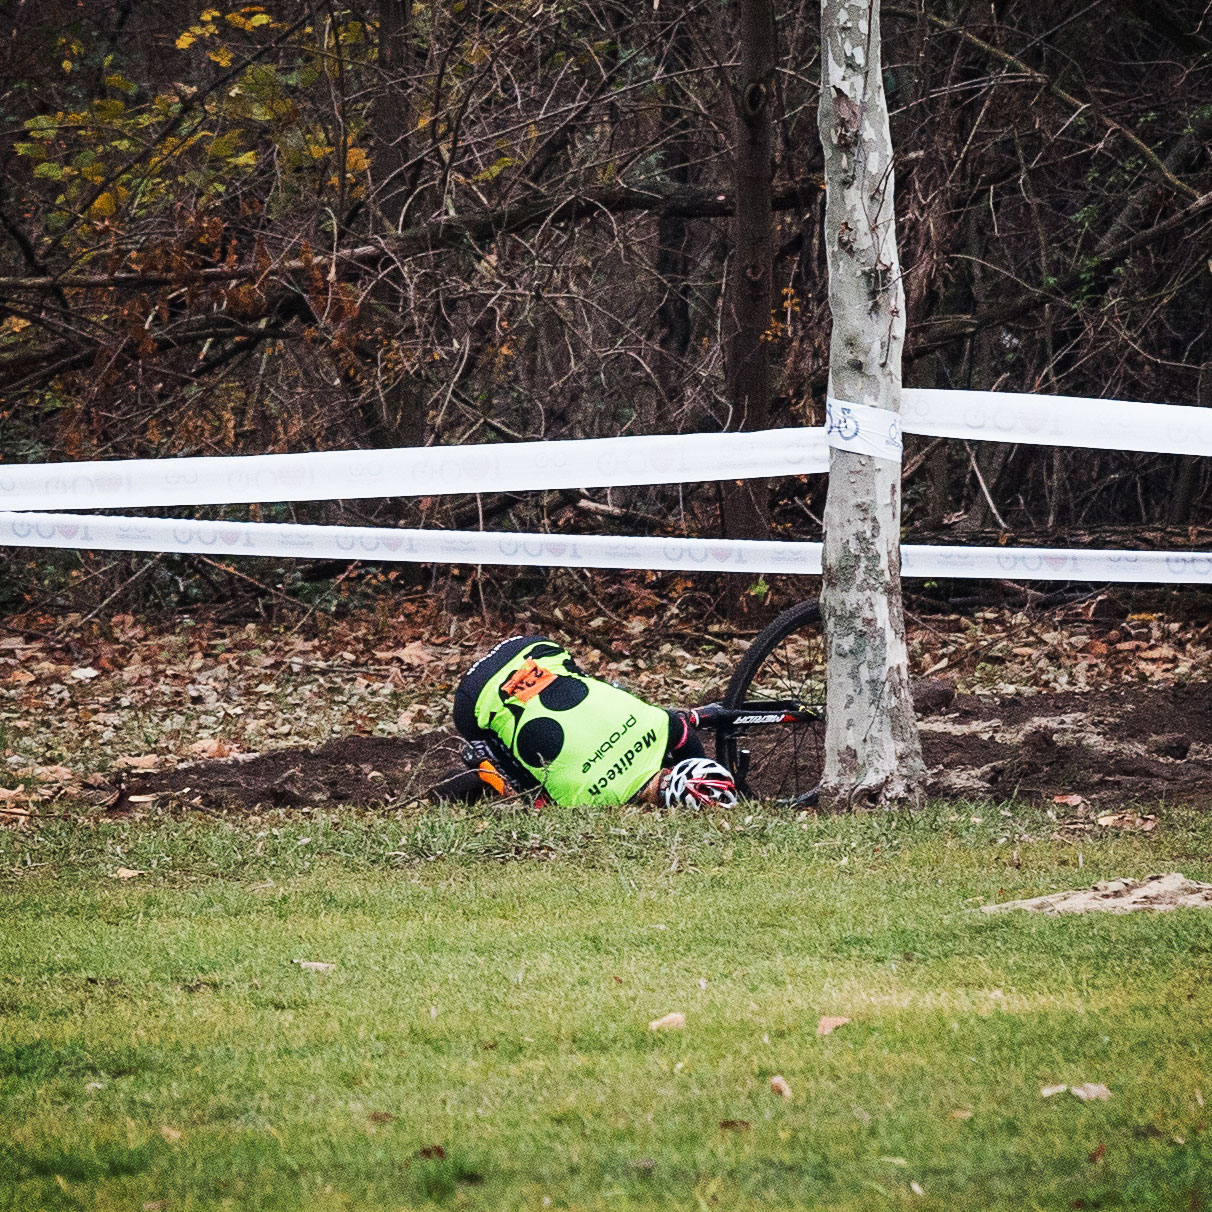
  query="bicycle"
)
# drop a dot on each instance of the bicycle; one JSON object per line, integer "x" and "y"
{"x": 769, "y": 727}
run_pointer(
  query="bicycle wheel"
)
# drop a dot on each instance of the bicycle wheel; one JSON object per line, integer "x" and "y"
{"x": 783, "y": 762}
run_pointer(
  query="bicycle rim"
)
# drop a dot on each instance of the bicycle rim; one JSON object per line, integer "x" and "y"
{"x": 780, "y": 763}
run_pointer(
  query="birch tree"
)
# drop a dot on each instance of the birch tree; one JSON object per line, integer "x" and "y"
{"x": 873, "y": 755}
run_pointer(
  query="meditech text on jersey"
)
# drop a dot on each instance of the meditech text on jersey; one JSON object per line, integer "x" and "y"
{"x": 607, "y": 745}
{"x": 624, "y": 762}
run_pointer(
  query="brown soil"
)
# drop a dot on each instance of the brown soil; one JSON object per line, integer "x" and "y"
{"x": 1136, "y": 745}
{"x": 1113, "y": 747}
{"x": 358, "y": 770}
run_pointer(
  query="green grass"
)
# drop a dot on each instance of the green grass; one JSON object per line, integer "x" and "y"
{"x": 483, "y": 1040}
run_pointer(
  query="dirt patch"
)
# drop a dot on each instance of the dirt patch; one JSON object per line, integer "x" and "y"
{"x": 1112, "y": 747}
{"x": 1156, "y": 892}
{"x": 357, "y": 770}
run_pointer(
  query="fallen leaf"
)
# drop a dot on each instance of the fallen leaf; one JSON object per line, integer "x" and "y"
{"x": 1049, "y": 1091}
{"x": 55, "y": 774}
{"x": 1069, "y": 801}
{"x": 211, "y": 748}
{"x": 380, "y": 1117}
{"x": 126, "y": 873}
{"x": 1088, "y": 1091}
{"x": 144, "y": 761}
{"x": 669, "y": 1022}
{"x": 22, "y": 677}
{"x": 917, "y": 1188}
{"x": 432, "y": 1152}
{"x": 314, "y": 965}
{"x": 170, "y": 1133}
{"x": 962, "y": 1113}
{"x": 830, "y": 1023}
{"x": 1128, "y": 821}
{"x": 778, "y": 1085}
{"x": 735, "y": 1125}
{"x": 85, "y": 673}
{"x": 8, "y": 794}
{"x": 1097, "y": 1154}
{"x": 140, "y": 799}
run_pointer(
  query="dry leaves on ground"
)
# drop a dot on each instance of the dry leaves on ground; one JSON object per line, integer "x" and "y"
{"x": 1130, "y": 822}
{"x": 668, "y": 1022}
{"x": 830, "y": 1023}
{"x": 1087, "y": 1091}
{"x": 779, "y": 1086}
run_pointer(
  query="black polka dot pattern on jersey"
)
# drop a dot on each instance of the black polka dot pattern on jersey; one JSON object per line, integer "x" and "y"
{"x": 540, "y": 741}
{"x": 563, "y": 694}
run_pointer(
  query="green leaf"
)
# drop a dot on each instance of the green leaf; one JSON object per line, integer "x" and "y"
{"x": 50, "y": 170}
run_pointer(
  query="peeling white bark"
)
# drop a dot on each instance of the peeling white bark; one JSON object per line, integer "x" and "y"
{"x": 872, "y": 752}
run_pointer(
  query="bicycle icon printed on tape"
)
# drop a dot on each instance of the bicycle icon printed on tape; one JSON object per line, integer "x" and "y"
{"x": 842, "y": 422}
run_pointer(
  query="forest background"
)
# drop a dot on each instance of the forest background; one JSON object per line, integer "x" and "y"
{"x": 328, "y": 226}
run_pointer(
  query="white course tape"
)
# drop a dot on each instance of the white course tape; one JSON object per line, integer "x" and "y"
{"x": 1055, "y": 564}
{"x": 581, "y": 551}
{"x": 863, "y": 428}
{"x": 423, "y": 546}
{"x": 413, "y": 471}
{"x": 995, "y": 416}
{"x": 616, "y": 462}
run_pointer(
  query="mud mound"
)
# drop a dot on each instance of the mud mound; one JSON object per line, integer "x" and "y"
{"x": 1112, "y": 747}
{"x": 1156, "y": 892}
{"x": 358, "y": 770}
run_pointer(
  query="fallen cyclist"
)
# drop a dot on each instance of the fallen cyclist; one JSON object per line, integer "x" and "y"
{"x": 535, "y": 722}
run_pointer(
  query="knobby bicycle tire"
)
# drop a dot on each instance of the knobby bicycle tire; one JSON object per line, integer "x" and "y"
{"x": 779, "y": 763}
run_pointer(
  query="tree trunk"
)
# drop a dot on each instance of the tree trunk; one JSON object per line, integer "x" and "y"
{"x": 748, "y": 292}
{"x": 872, "y": 752}
{"x": 399, "y": 405}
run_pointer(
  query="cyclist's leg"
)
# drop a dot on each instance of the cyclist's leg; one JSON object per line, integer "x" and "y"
{"x": 464, "y": 785}
{"x": 684, "y": 741}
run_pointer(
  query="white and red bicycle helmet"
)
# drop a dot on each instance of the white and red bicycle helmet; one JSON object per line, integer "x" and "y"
{"x": 698, "y": 783}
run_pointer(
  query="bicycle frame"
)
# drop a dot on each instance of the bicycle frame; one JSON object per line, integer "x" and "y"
{"x": 757, "y": 713}
{"x": 754, "y": 714}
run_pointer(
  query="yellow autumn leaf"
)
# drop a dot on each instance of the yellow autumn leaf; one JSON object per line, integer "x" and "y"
{"x": 221, "y": 55}
{"x": 356, "y": 160}
{"x": 104, "y": 206}
{"x": 186, "y": 40}
{"x": 259, "y": 19}
{"x": 67, "y": 65}
{"x": 15, "y": 324}
{"x": 244, "y": 160}
{"x": 210, "y": 14}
